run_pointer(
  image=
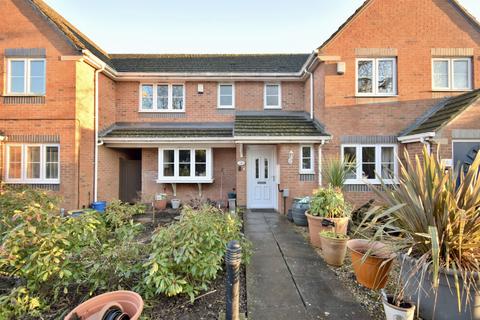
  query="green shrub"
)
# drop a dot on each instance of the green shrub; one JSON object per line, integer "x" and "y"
{"x": 187, "y": 255}
{"x": 19, "y": 304}
{"x": 329, "y": 203}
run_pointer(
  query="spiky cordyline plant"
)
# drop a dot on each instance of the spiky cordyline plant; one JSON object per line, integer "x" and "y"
{"x": 434, "y": 214}
{"x": 336, "y": 171}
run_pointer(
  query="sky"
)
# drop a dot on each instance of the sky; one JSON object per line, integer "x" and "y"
{"x": 211, "y": 26}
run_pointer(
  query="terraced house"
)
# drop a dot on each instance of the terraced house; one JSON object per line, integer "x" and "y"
{"x": 91, "y": 125}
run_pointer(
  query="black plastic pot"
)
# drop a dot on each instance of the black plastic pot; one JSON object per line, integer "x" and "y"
{"x": 298, "y": 213}
{"x": 289, "y": 215}
{"x": 232, "y": 195}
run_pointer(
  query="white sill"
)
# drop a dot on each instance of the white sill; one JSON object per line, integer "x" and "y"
{"x": 162, "y": 111}
{"x": 376, "y": 95}
{"x": 32, "y": 182}
{"x": 23, "y": 95}
{"x": 189, "y": 180}
{"x": 451, "y": 90}
{"x": 305, "y": 172}
{"x": 226, "y": 108}
{"x": 272, "y": 107}
{"x": 373, "y": 182}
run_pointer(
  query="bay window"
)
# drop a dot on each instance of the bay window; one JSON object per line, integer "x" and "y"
{"x": 376, "y": 77}
{"x": 306, "y": 160}
{"x": 162, "y": 98}
{"x": 185, "y": 165}
{"x": 452, "y": 74}
{"x": 367, "y": 162}
{"x": 33, "y": 163}
{"x": 26, "y": 77}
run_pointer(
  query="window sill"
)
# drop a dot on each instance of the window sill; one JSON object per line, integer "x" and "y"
{"x": 32, "y": 182}
{"x": 452, "y": 90}
{"x": 6, "y": 95}
{"x": 376, "y": 96}
{"x": 366, "y": 182}
{"x": 161, "y": 111}
{"x": 272, "y": 108}
{"x": 226, "y": 108}
{"x": 189, "y": 180}
{"x": 307, "y": 172}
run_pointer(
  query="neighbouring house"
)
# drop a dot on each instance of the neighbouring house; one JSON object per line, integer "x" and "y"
{"x": 91, "y": 125}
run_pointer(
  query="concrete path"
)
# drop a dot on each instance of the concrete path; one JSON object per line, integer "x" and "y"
{"x": 286, "y": 279}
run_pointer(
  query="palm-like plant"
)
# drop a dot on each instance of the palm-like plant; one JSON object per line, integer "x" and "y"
{"x": 434, "y": 214}
{"x": 336, "y": 171}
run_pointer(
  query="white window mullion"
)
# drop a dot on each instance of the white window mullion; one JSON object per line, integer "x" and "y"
{"x": 192, "y": 163}
{"x": 378, "y": 161}
{"x": 359, "y": 163}
{"x": 177, "y": 163}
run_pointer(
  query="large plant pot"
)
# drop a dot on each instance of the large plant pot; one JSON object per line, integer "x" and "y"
{"x": 442, "y": 305}
{"x": 315, "y": 227}
{"x": 373, "y": 272}
{"x": 161, "y": 204}
{"x": 406, "y": 311}
{"x": 93, "y": 309}
{"x": 334, "y": 250}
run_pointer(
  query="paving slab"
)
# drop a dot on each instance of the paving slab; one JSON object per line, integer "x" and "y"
{"x": 286, "y": 278}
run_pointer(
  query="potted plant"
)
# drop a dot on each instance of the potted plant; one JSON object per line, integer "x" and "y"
{"x": 336, "y": 171}
{"x": 334, "y": 247}
{"x": 434, "y": 224}
{"x": 175, "y": 203}
{"x": 397, "y": 308}
{"x": 160, "y": 201}
{"x": 327, "y": 209}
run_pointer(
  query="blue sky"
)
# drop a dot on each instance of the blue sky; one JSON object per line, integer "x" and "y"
{"x": 211, "y": 26}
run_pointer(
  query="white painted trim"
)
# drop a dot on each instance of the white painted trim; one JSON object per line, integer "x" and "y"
{"x": 451, "y": 72}
{"x": 279, "y": 106}
{"x": 416, "y": 137}
{"x": 176, "y": 178}
{"x": 232, "y": 106}
{"x": 273, "y": 148}
{"x": 27, "y": 75}
{"x": 460, "y": 141}
{"x": 155, "y": 96}
{"x": 375, "y": 63}
{"x": 237, "y": 140}
{"x": 312, "y": 160}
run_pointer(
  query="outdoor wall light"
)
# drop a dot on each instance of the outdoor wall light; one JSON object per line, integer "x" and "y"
{"x": 290, "y": 157}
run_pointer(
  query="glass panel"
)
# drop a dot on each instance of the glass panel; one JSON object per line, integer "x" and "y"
{"x": 460, "y": 74}
{"x": 266, "y": 168}
{"x": 226, "y": 90}
{"x": 385, "y": 76}
{"x": 37, "y": 76}
{"x": 272, "y": 93}
{"x": 272, "y": 101}
{"x": 272, "y": 90}
{"x": 388, "y": 159}
{"x": 200, "y": 163}
{"x": 147, "y": 96}
{"x": 177, "y": 97}
{"x": 33, "y": 162}
{"x": 15, "y": 162}
{"x": 162, "y": 97}
{"x": 368, "y": 162}
{"x": 306, "y": 158}
{"x": 184, "y": 163}
{"x": 226, "y": 101}
{"x": 365, "y": 76}
{"x": 440, "y": 74}
{"x": 51, "y": 159}
{"x": 257, "y": 168}
{"x": 350, "y": 154}
{"x": 168, "y": 163}
{"x": 17, "y": 77}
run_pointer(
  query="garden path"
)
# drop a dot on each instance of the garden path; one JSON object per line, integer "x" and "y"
{"x": 286, "y": 279}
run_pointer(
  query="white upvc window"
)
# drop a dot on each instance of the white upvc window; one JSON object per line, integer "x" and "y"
{"x": 226, "y": 96}
{"x": 376, "y": 77}
{"x": 452, "y": 74}
{"x": 307, "y": 159}
{"x": 162, "y": 97}
{"x": 367, "y": 162}
{"x": 272, "y": 96}
{"x": 26, "y": 77}
{"x": 33, "y": 163}
{"x": 185, "y": 165}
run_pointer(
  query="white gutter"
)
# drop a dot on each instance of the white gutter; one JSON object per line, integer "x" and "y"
{"x": 263, "y": 140}
{"x": 416, "y": 137}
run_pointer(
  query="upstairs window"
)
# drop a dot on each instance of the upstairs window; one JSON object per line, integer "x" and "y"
{"x": 273, "y": 96}
{"x": 33, "y": 163}
{"x": 226, "y": 96}
{"x": 177, "y": 165}
{"x": 306, "y": 160}
{"x": 162, "y": 98}
{"x": 367, "y": 162}
{"x": 376, "y": 77}
{"x": 452, "y": 74}
{"x": 26, "y": 77}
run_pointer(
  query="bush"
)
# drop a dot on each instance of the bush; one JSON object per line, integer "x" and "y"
{"x": 329, "y": 203}
{"x": 187, "y": 255}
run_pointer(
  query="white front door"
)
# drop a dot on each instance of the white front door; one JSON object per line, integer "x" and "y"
{"x": 261, "y": 184}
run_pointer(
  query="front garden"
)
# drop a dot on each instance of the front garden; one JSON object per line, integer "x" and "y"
{"x": 49, "y": 263}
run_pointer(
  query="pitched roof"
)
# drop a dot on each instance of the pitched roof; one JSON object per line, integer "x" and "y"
{"x": 169, "y": 130}
{"x": 442, "y": 113}
{"x": 357, "y": 12}
{"x": 277, "y": 125}
{"x": 228, "y": 63}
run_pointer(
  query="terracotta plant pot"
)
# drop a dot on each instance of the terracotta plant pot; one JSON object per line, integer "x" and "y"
{"x": 334, "y": 250}
{"x": 161, "y": 204}
{"x": 315, "y": 227}
{"x": 93, "y": 309}
{"x": 373, "y": 272}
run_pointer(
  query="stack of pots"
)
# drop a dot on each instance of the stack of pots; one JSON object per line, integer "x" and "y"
{"x": 316, "y": 225}
{"x": 298, "y": 212}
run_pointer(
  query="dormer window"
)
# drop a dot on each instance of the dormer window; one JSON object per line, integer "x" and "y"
{"x": 26, "y": 77}
{"x": 376, "y": 77}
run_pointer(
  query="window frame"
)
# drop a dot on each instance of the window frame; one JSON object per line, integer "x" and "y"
{"x": 27, "y": 76}
{"x": 378, "y": 163}
{"x": 279, "y": 106}
{"x": 155, "y": 96}
{"x": 451, "y": 74}
{"x": 312, "y": 160}
{"x": 219, "y": 106}
{"x": 176, "y": 178}
{"x": 375, "y": 92}
{"x": 23, "y": 167}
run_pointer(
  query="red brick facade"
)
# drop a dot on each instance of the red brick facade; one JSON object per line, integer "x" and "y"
{"x": 409, "y": 30}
